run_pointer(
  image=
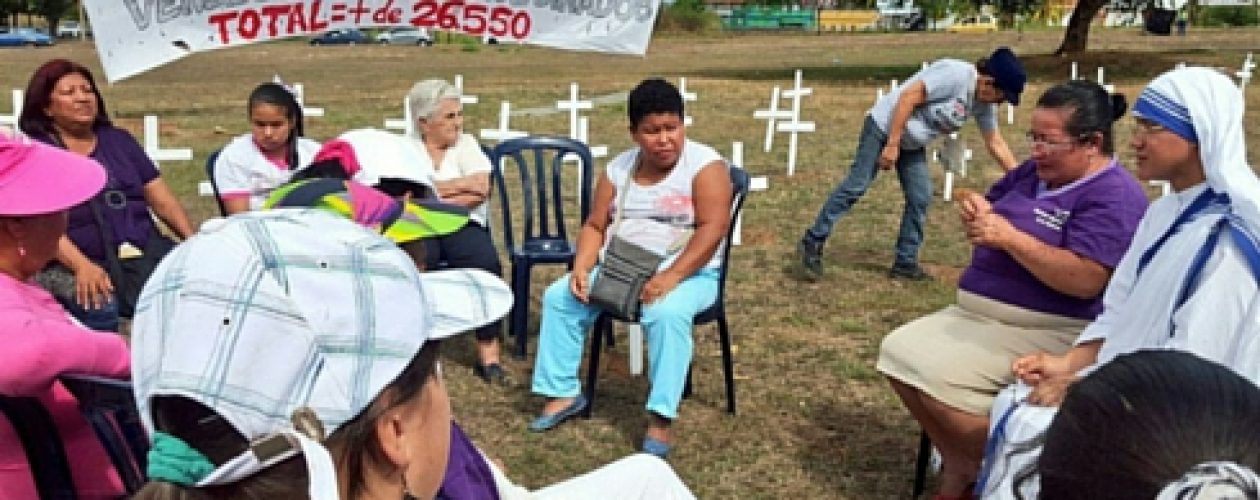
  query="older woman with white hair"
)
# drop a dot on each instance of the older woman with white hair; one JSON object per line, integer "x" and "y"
{"x": 461, "y": 173}
{"x": 1188, "y": 281}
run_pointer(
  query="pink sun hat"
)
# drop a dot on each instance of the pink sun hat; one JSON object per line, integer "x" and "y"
{"x": 38, "y": 179}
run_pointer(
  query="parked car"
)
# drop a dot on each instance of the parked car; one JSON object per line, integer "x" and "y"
{"x": 405, "y": 36}
{"x": 983, "y": 23}
{"x": 69, "y": 29}
{"x": 24, "y": 37}
{"x": 340, "y": 37}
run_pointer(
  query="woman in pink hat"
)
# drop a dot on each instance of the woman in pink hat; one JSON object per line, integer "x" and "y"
{"x": 38, "y": 338}
{"x": 64, "y": 108}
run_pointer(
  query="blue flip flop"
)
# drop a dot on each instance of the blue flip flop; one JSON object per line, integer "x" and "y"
{"x": 547, "y": 422}
{"x": 653, "y": 446}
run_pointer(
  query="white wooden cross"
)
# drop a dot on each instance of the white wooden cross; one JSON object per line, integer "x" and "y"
{"x": 584, "y": 134}
{"x": 574, "y": 106}
{"x": 686, "y": 97}
{"x": 1075, "y": 73}
{"x": 760, "y": 183}
{"x": 11, "y": 121}
{"x": 1244, "y": 75}
{"x": 155, "y": 152}
{"x": 954, "y": 156}
{"x": 584, "y": 131}
{"x": 464, "y": 98}
{"x": 502, "y": 133}
{"x": 406, "y": 124}
{"x": 299, "y": 93}
{"x": 770, "y": 115}
{"x": 794, "y": 125}
{"x": 1111, "y": 89}
{"x": 1010, "y": 114}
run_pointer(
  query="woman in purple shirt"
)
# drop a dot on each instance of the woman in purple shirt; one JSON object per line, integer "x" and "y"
{"x": 64, "y": 107}
{"x": 1047, "y": 237}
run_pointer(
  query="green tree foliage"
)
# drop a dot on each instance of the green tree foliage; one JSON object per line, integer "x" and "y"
{"x": 52, "y": 11}
{"x": 1230, "y": 16}
{"x": 11, "y": 8}
{"x": 687, "y": 15}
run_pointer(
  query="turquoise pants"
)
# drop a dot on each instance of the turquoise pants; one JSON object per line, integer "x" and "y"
{"x": 666, "y": 324}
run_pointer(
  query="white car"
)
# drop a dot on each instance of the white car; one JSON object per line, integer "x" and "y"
{"x": 69, "y": 29}
{"x": 405, "y": 36}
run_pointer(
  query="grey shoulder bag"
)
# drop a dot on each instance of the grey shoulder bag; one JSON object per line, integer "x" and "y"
{"x": 625, "y": 269}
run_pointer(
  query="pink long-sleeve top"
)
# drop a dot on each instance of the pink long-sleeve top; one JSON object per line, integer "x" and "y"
{"x": 38, "y": 343}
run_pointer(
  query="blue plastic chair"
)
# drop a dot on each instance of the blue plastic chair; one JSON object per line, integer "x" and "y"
{"x": 214, "y": 186}
{"x": 715, "y": 313}
{"x": 110, "y": 407}
{"x": 45, "y": 455}
{"x": 539, "y": 163}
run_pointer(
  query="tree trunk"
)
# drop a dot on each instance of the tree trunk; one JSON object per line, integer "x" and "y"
{"x": 1076, "y": 37}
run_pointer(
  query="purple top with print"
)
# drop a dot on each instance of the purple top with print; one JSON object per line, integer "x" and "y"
{"x": 1095, "y": 217}
{"x": 129, "y": 169}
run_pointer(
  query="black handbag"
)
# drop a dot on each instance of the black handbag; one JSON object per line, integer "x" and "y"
{"x": 625, "y": 268}
{"x": 128, "y": 275}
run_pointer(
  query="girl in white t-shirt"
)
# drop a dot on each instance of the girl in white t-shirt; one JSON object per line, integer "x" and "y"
{"x": 253, "y": 164}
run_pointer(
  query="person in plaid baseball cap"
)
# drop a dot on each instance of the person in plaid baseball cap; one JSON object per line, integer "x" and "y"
{"x": 288, "y": 332}
{"x": 392, "y": 164}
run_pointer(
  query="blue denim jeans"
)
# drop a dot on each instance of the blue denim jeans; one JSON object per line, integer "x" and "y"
{"x": 916, "y": 184}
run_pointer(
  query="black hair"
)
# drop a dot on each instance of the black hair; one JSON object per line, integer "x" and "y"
{"x": 1142, "y": 421}
{"x": 982, "y": 66}
{"x": 653, "y": 96}
{"x": 1093, "y": 110}
{"x": 33, "y": 120}
{"x": 277, "y": 95}
{"x": 352, "y": 444}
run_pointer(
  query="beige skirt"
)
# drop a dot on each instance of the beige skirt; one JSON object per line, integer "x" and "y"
{"x": 962, "y": 355}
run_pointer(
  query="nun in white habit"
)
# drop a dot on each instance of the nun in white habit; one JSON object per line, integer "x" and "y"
{"x": 1187, "y": 282}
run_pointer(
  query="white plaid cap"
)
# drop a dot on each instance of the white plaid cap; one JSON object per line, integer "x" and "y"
{"x": 265, "y": 313}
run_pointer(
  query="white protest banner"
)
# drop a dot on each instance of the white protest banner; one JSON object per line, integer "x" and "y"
{"x": 133, "y": 36}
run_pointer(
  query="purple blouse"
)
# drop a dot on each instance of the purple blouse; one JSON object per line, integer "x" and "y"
{"x": 1094, "y": 217}
{"x": 122, "y": 202}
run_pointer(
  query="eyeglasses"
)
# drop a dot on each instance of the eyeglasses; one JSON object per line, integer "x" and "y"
{"x": 1146, "y": 127}
{"x": 1040, "y": 141}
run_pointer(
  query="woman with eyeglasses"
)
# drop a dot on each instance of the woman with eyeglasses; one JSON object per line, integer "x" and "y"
{"x": 64, "y": 108}
{"x": 1046, "y": 236}
{"x": 1190, "y": 279}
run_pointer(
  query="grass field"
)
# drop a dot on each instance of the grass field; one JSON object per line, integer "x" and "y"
{"x": 815, "y": 420}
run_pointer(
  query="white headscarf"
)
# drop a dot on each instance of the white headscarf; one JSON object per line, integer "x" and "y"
{"x": 1214, "y": 107}
{"x": 1204, "y": 106}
